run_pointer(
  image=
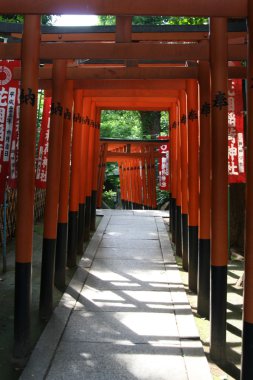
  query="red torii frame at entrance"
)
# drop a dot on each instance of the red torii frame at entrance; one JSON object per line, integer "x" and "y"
{"x": 219, "y": 55}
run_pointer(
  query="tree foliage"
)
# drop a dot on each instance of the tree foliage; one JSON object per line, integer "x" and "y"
{"x": 130, "y": 124}
{"x": 157, "y": 20}
{"x": 121, "y": 124}
{"x": 45, "y": 19}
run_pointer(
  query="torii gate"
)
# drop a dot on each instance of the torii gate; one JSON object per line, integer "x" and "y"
{"x": 136, "y": 160}
{"x": 125, "y": 49}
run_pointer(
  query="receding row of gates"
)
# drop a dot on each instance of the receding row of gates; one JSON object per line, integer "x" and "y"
{"x": 180, "y": 71}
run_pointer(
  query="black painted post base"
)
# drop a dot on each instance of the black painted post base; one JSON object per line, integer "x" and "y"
{"x": 170, "y": 210}
{"x": 81, "y": 217}
{"x": 247, "y": 351}
{"x": 203, "y": 303}
{"x": 72, "y": 239}
{"x": 193, "y": 257}
{"x": 184, "y": 228}
{"x": 87, "y": 219}
{"x": 22, "y": 315}
{"x": 218, "y": 313}
{"x": 47, "y": 278}
{"x": 178, "y": 232}
{"x": 93, "y": 210}
{"x": 173, "y": 219}
{"x": 61, "y": 255}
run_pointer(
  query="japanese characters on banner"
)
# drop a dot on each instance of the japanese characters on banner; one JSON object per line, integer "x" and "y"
{"x": 13, "y": 169}
{"x": 236, "y": 155}
{"x": 9, "y": 118}
{"x": 41, "y": 169}
{"x": 164, "y": 164}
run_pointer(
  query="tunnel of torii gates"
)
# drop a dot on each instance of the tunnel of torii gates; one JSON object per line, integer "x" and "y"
{"x": 183, "y": 70}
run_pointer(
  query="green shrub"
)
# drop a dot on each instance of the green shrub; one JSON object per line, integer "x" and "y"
{"x": 108, "y": 197}
{"x": 162, "y": 197}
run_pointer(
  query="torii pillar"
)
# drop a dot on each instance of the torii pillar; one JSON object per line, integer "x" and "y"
{"x": 26, "y": 178}
{"x": 179, "y": 188}
{"x": 184, "y": 176}
{"x": 247, "y": 337}
{"x": 219, "y": 195}
{"x": 74, "y": 183}
{"x": 204, "y": 191}
{"x": 193, "y": 180}
{"x": 173, "y": 170}
{"x": 53, "y": 187}
{"x": 62, "y": 227}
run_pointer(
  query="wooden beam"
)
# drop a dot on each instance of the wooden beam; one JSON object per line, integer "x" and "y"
{"x": 136, "y": 37}
{"x": 199, "y": 8}
{"x": 122, "y": 51}
{"x": 131, "y": 107}
{"x": 113, "y": 87}
{"x": 76, "y": 73}
{"x": 115, "y": 156}
{"x": 146, "y": 87}
{"x": 140, "y": 99}
{"x": 147, "y": 36}
{"x": 98, "y": 50}
{"x": 136, "y": 103}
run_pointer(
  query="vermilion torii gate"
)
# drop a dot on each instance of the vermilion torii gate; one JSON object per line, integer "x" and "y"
{"x": 217, "y": 50}
{"x": 136, "y": 161}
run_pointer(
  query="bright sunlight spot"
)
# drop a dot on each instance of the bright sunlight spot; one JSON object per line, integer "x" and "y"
{"x": 75, "y": 20}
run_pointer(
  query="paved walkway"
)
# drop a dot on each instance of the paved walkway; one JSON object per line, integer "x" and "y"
{"x": 125, "y": 314}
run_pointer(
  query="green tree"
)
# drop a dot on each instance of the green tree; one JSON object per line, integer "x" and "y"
{"x": 121, "y": 124}
{"x": 45, "y": 19}
{"x": 156, "y": 20}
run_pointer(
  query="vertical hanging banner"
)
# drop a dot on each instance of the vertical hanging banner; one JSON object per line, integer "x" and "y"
{"x": 236, "y": 155}
{"x": 164, "y": 183}
{"x": 13, "y": 172}
{"x": 41, "y": 169}
{"x": 9, "y": 117}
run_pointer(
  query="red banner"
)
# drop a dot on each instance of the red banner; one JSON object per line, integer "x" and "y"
{"x": 236, "y": 155}
{"x": 164, "y": 164}
{"x": 13, "y": 172}
{"x": 41, "y": 170}
{"x": 9, "y": 117}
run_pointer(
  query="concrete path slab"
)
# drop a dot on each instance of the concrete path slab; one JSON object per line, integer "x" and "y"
{"x": 125, "y": 314}
{"x": 151, "y": 254}
{"x": 132, "y": 228}
{"x": 111, "y": 327}
{"x": 119, "y": 220}
{"x": 92, "y": 299}
{"x": 127, "y": 274}
{"x": 126, "y": 243}
{"x": 132, "y": 235}
{"x": 94, "y": 361}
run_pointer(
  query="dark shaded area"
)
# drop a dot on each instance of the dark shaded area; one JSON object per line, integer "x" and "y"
{"x": 7, "y": 281}
{"x": 237, "y": 216}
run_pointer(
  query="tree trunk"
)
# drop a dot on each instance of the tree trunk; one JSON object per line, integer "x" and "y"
{"x": 151, "y": 123}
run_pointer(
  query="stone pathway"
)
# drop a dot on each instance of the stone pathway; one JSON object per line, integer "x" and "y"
{"x": 125, "y": 314}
